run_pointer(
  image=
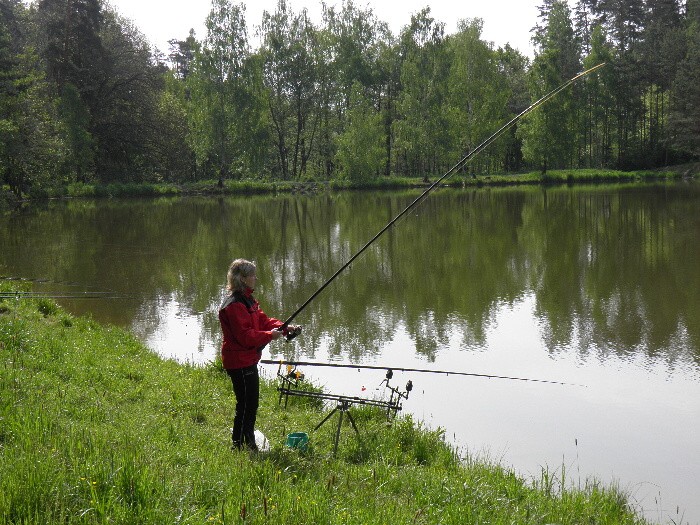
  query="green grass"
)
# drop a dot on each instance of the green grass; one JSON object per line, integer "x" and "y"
{"x": 95, "y": 429}
{"x": 260, "y": 186}
{"x": 581, "y": 176}
{"x": 208, "y": 187}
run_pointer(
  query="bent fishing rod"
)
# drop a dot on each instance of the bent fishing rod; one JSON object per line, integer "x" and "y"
{"x": 417, "y": 370}
{"x": 439, "y": 181}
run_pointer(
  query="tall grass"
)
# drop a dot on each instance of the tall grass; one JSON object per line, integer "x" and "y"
{"x": 94, "y": 428}
{"x": 258, "y": 186}
{"x": 579, "y": 176}
{"x": 145, "y": 189}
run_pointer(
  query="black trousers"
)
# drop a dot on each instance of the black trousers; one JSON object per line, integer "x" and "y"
{"x": 246, "y": 387}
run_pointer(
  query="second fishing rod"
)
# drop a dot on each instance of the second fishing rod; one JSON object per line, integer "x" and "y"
{"x": 353, "y": 366}
{"x": 500, "y": 131}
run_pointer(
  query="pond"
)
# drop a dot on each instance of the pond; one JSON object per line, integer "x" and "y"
{"x": 594, "y": 286}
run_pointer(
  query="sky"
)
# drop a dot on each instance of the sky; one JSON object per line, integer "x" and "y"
{"x": 505, "y": 21}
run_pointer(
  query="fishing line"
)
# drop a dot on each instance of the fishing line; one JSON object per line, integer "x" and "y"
{"x": 439, "y": 181}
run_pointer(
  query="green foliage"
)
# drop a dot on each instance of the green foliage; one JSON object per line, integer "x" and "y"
{"x": 421, "y": 131}
{"x": 549, "y": 133}
{"x": 685, "y": 114}
{"x": 290, "y": 74}
{"x": 478, "y": 95}
{"x": 33, "y": 144}
{"x": 125, "y": 119}
{"x": 596, "y": 121}
{"x": 47, "y": 307}
{"x": 73, "y": 47}
{"x": 30, "y": 143}
{"x": 172, "y": 156}
{"x": 252, "y": 186}
{"x": 84, "y": 98}
{"x": 218, "y": 90}
{"x": 360, "y": 147}
{"x": 79, "y": 140}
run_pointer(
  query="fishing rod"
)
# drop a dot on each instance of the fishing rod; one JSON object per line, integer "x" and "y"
{"x": 14, "y": 296}
{"x": 70, "y": 294}
{"x": 38, "y": 280}
{"x": 435, "y": 184}
{"x": 67, "y": 295}
{"x": 417, "y": 370}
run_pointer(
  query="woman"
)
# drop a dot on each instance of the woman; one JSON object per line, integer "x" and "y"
{"x": 247, "y": 330}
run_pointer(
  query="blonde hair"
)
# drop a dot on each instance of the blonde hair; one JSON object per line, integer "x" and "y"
{"x": 239, "y": 270}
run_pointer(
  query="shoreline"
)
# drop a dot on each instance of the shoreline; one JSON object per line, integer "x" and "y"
{"x": 258, "y": 187}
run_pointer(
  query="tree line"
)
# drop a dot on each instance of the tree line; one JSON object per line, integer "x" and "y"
{"x": 85, "y": 98}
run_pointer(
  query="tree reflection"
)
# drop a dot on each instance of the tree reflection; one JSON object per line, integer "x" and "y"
{"x": 611, "y": 269}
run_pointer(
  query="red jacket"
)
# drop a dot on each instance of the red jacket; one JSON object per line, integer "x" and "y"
{"x": 247, "y": 330}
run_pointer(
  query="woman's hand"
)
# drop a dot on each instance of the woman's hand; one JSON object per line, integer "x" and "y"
{"x": 277, "y": 333}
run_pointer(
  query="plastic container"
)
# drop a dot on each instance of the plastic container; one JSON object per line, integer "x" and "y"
{"x": 298, "y": 440}
{"x": 261, "y": 441}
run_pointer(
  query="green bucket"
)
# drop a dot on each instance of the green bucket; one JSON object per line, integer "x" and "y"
{"x": 298, "y": 440}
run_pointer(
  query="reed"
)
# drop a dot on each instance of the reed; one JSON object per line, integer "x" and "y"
{"x": 95, "y": 428}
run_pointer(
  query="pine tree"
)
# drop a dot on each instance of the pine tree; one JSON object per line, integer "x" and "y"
{"x": 597, "y": 122}
{"x": 73, "y": 48}
{"x": 583, "y": 25}
{"x": 623, "y": 21}
{"x": 182, "y": 53}
{"x": 549, "y": 134}
{"x": 685, "y": 100}
{"x": 31, "y": 149}
{"x": 663, "y": 49}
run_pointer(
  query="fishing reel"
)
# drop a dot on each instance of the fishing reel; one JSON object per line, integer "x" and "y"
{"x": 291, "y": 380}
{"x": 290, "y": 332}
{"x": 293, "y": 373}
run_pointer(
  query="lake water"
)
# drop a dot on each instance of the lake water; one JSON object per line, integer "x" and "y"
{"x": 593, "y": 286}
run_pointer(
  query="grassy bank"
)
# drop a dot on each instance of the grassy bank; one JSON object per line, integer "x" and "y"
{"x": 94, "y": 428}
{"x": 245, "y": 187}
{"x": 248, "y": 187}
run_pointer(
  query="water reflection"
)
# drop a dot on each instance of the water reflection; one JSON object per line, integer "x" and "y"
{"x": 615, "y": 269}
{"x": 594, "y": 285}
